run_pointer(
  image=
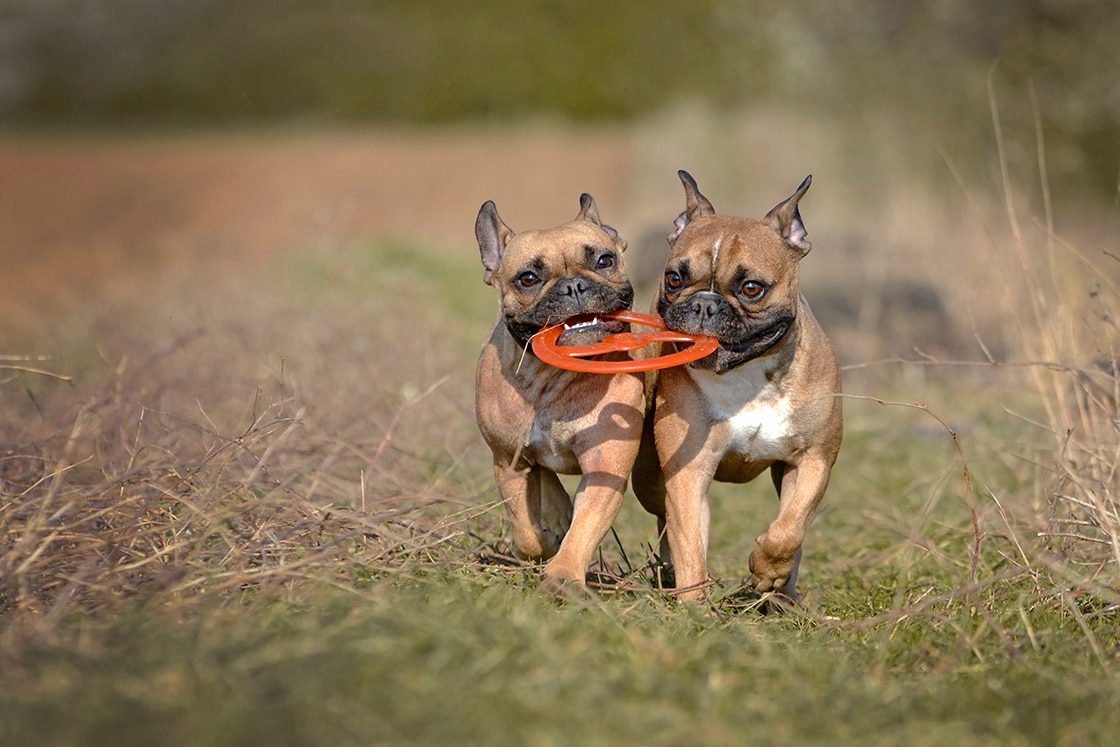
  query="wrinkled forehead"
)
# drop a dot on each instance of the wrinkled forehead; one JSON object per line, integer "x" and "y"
{"x": 723, "y": 246}
{"x": 574, "y": 242}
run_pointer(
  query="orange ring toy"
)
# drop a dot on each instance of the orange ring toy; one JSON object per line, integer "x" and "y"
{"x": 574, "y": 357}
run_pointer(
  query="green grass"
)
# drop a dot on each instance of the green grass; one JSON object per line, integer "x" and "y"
{"x": 347, "y": 592}
{"x": 471, "y": 657}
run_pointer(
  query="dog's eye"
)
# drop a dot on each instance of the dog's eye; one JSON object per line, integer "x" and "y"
{"x": 528, "y": 279}
{"x": 605, "y": 262}
{"x": 673, "y": 280}
{"x": 753, "y": 290}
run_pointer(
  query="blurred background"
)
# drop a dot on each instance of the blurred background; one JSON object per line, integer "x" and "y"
{"x": 917, "y": 65}
{"x": 143, "y": 140}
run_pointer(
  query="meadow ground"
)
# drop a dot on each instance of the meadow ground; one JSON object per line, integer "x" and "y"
{"x": 242, "y": 497}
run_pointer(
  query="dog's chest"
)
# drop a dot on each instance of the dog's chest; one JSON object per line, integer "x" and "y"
{"x": 550, "y": 444}
{"x": 754, "y": 409}
{"x": 563, "y": 412}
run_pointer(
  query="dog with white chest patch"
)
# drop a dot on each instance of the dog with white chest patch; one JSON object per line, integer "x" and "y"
{"x": 767, "y": 399}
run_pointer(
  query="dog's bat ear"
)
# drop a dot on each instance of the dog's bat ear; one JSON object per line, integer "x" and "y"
{"x": 786, "y": 219}
{"x": 493, "y": 235}
{"x": 589, "y": 211}
{"x": 696, "y": 205}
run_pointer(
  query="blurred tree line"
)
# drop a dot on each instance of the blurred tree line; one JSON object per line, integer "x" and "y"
{"x": 144, "y": 62}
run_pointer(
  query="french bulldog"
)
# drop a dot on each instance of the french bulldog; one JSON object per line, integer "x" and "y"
{"x": 767, "y": 398}
{"x": 540, "y": 421}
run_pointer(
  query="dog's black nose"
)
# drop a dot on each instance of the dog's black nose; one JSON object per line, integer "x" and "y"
{"x": 573, "y": 287}
{"x": 705, "y": 305}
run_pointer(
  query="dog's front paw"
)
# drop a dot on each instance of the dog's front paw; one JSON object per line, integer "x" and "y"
{"x": 564, "y": 583}
{"x": 770, "y": 569}
{"x": 564, "y": 589}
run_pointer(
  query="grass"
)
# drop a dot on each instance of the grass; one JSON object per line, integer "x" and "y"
{"x": 260, "y": 511}
{"x": 468, "y": 656}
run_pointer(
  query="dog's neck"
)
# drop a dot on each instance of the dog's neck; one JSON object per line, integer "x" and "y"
{"x": 520, "y": 337}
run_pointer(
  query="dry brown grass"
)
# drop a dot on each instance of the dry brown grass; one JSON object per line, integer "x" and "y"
{"x": 1065, "y": 303}
{"x": 193, "y": 470}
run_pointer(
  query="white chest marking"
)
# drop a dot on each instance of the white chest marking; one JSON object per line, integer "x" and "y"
{"x": 754, "y": 407}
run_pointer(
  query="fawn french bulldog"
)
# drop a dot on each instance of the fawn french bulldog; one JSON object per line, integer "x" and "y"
{"x": 541, "y": 421}
{"x": 767, "y": 399}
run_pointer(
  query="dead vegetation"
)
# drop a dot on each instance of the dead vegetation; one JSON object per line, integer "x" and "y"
{"x": 135, "y": 493}
{"x": 1067, "y": 305}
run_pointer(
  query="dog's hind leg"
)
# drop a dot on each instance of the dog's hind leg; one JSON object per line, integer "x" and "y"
{"x": 777, "y": 472}
{"x": 649, "y": 486}
{"x": 521, "y": 492}
{"x": 556, "y": 506}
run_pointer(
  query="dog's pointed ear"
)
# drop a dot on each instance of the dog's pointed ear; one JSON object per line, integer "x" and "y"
{"x": 493, "y": 235}
{"x": 696, "y": 205}
{"x": 589, "y": 211}
{"x": 786, "y": 219}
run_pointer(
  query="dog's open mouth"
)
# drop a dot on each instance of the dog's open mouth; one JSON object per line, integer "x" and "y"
{"x": 588, "y": 329}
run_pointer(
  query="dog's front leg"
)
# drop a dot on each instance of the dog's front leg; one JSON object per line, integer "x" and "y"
{"x": 687, "y": 518}
{"x": 521, "y": 492}
{"x": 649, "y": 486}
{"x": 596, "y": 505}
{"x": 774, "y": 561}
{"x": 688, "y": 457}
{"x": 606, "y": 456}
